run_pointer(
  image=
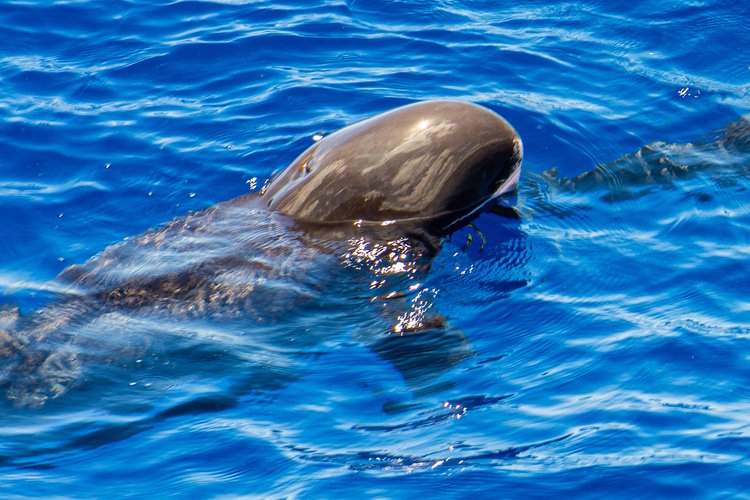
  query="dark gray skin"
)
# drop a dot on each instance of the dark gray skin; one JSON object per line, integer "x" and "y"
{"x": 431, "y": 162}
{"x": 372, "y": 199}
{"x": 658, "y": 164}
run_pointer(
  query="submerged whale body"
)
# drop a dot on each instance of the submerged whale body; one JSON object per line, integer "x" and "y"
{"x": 369, "y": 201}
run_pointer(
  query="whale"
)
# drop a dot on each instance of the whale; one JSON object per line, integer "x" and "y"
{"x": 368, "y": 205}
{"x": 722, "y": 153}
{"x": 349, "y": 229}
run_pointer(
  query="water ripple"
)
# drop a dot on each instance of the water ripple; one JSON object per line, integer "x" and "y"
{"x": 595, "y": 342}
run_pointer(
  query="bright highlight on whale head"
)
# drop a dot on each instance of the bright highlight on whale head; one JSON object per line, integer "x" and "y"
{"x": 432, "y": 162}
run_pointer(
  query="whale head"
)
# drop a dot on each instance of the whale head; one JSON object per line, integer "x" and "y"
{"x": 432, "y": 162}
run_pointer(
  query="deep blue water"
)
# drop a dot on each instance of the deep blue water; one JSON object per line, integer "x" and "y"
{"x": 605, "y": 339}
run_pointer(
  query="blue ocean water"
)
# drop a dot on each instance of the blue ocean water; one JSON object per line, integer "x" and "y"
{"x": 604, "y": 334}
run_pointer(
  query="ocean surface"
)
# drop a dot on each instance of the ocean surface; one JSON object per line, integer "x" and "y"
{"x": 595, "y": 346}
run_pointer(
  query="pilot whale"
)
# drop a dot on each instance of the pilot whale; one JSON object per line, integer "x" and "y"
{"x": 350, "y": 227}
{"x": 372, "y": 200}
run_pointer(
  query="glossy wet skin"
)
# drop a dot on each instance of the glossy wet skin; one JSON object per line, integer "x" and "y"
{"x": 425, "y": 161}
{"x": 237, "y": 262}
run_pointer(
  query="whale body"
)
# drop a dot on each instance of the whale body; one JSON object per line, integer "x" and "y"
{"x": 371, "y": 201}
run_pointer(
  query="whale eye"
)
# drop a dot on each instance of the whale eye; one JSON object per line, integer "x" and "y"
{"x": 306, "y": 169}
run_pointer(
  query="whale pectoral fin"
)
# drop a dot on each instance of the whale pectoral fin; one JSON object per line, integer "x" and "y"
{"x": 422, "y": 356}
{"x": 420, "y": 343}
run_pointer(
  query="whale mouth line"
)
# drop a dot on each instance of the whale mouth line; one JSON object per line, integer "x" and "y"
{"x": 508, "y": 186}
